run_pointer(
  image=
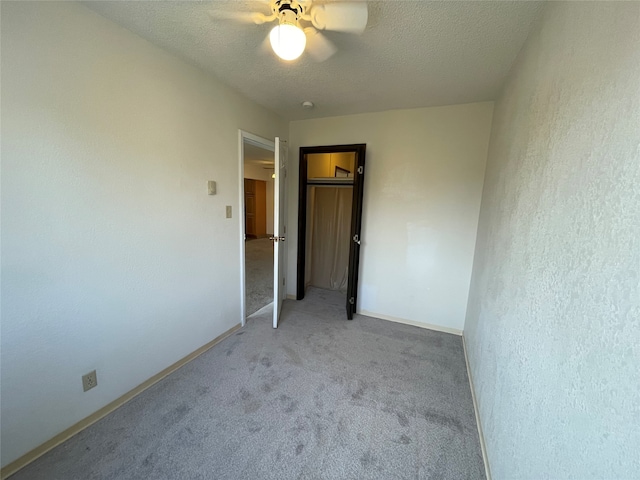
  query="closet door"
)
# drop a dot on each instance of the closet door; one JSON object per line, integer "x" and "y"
{"x": 250, "y": 208}
{"x": 356, "y": 226}
{"x": 261, "y": 208}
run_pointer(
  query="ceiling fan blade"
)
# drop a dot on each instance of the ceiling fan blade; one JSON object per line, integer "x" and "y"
{"x": 340, "y": 17}
{"x": 242, "y": 17}
{"x": 319, "y": 47}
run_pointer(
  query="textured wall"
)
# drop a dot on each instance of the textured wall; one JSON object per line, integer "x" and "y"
{"x": 553, "y": 323}
{"x": 113, "y": 255}
{"x": 423, "y": 185}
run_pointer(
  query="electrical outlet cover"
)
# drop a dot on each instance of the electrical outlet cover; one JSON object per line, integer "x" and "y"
{"x": 89, "y": 381}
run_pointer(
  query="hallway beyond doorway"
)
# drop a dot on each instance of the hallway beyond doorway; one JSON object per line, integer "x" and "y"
{"x": 259, "y": 274}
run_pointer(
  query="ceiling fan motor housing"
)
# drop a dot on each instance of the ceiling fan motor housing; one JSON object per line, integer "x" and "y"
{"x": 288, "y": 11}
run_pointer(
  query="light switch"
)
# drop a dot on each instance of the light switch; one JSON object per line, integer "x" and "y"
{"x": 228, "y": 211}
{"x": 211, "y": 187}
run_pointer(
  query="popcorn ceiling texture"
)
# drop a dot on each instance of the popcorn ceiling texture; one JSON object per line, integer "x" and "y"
{"x": 412, "y": 54}
{"x": 553, "y": 324}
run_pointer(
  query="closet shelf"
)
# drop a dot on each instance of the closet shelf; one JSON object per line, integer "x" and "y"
{"x": 330, "y": 181}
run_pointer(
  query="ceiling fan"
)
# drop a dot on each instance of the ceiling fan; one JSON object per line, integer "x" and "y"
{"x": 290, "y": 38}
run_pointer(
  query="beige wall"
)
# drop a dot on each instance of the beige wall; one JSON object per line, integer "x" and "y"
{"x": 423, "y": 183}
{"x": 553, "y": 330}
{"x": 113, "y": 255}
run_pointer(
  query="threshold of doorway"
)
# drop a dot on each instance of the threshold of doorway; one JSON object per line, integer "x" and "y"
{"x": 268, "y": 308}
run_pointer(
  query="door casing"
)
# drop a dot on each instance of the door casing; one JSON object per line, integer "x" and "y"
{"x": 246, "y": 137}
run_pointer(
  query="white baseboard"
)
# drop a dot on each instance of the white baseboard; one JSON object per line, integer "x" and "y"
{"x": 483, "y": 445}
{"x": 37, "y": 452}
{"x": 428, "y": 326}
{"x": 291, "y": 297}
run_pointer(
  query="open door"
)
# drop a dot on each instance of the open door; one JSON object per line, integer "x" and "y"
{"x": 356, "y": 227}
{"x": 309, "y": 179}
{"x": 279, "y": 228}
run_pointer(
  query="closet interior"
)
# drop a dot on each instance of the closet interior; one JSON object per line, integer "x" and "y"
{"x": 330, "y": 182}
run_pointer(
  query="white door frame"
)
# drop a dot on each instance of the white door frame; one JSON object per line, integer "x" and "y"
{"x": 246, "y": 137}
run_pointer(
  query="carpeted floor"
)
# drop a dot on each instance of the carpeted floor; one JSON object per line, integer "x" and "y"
{"x": 318, "y": 398}
{"x": 259, "y": 274}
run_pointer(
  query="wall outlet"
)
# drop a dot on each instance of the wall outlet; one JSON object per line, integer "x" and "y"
{"x": 228, "y": 211}
{"x": 89, "y": 381}
{"x": 211, "y": 187}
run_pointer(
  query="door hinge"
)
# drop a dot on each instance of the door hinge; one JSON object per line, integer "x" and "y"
{"x": 360, "y": 169}
{"x": 352, "y": 300}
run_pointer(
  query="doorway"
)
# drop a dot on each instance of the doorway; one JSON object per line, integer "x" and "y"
{"x": 329, "y": 220}
{"x": 258, "y": 226}
{"x": 256, "y": 158}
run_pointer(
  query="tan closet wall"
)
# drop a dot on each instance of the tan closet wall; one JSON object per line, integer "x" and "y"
{"x": 330, "y": 165}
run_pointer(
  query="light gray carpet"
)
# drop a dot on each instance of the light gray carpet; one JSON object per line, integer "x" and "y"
{"x": 318, "y": 398}
{"x": 258, "y": 274}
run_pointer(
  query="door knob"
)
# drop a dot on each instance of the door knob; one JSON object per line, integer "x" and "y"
{"x": 281, "y": 239}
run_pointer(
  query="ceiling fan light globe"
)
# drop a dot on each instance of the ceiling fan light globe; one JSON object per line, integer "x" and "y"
{"x": 287, "y": 41}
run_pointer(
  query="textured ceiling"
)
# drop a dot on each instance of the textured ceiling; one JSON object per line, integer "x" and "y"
{"x": 257, "y": 156}
{"x": 412, "y": 53}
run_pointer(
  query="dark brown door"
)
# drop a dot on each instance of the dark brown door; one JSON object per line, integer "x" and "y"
{"x": 250, "y": 208}
{"x": 356, "y": 227}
